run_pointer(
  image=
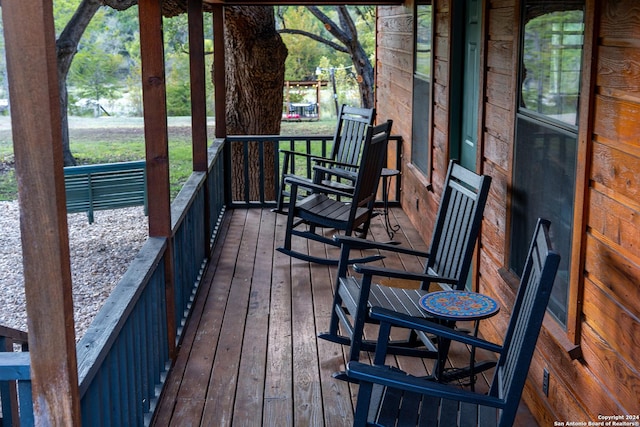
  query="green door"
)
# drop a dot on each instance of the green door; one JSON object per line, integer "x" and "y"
{"x": 470, "y": 85}
{"x": 466, "y": 89}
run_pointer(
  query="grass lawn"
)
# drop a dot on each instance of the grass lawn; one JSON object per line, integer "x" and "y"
{"x": 116, "y": 139}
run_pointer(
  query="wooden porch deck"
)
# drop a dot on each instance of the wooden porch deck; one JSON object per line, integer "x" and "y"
{"x": 249, "y": 354}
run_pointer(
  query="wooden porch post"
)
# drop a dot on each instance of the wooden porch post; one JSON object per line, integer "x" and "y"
{"x": 198, "y": 85}
{"x": 37, "y": 142}
{"x": 199, "y": 106}
{"x": 157, "y": 144}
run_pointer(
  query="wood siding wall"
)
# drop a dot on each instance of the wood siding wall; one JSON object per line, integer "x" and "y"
{"x": 606, "y": 378}
{"x": 394, "y": 99}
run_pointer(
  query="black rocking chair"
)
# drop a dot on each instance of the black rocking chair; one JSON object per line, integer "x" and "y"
{"x": 331, "y": 207}
{"x": 388, "y": 396}
{"x": 343, "y": 159}
{"x": 447, "y": 266}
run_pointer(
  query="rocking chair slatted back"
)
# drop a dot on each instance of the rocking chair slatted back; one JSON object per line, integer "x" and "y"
{"x": 528, "y": 313}
{"x": 346, "y": 150}
{"x": 458, "y": 225}
{"x": 350, "y": 132}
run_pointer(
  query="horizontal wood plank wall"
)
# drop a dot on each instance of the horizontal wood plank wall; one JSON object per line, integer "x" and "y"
{"x": 612, "y": 264}
{"x": 394, "y": 100}
{"x": 607, "y": 379}
{"x": 604, "y": 382}
{"x": 502, "y": 44}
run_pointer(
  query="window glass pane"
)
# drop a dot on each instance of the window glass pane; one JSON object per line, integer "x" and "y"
{"x": 552, "y": 57}
{"x": 423, "y": 40}
{"x": 543, "y": 186}
{"x": 420, "y": 124}
{"x": 421, "y": 87}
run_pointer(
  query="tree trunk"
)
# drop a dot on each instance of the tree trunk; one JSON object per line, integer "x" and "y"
{"x": 255, "y": 57}
{"x": 364, "y": 70}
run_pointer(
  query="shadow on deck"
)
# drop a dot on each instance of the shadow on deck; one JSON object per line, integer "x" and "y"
{"x": 249, "y": 353}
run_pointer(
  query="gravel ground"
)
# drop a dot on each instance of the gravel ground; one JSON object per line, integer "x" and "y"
{"x": 100, "y": 254}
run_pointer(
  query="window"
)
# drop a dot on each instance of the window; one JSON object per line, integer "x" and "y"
{"x": 546, "y": 134}
{"x": 421, "y": 86}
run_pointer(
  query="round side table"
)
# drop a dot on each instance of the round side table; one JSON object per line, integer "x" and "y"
{"x": 459, "y": 306}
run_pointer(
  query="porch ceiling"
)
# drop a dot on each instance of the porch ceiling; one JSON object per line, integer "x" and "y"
{"x": 300, "y": 2}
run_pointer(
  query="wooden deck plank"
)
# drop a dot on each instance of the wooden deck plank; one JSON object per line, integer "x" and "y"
{"x": 176, "y": 375}
{"x": 250, "y": 353}
{"x": 250, "y": 391}
{"x": 278, "y": 387}
{"x": 306, "y": 377}
{"x": 338, "y": 409}
{"x": 218, "y": 409}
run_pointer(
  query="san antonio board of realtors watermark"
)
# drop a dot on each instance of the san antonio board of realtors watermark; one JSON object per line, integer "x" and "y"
{"x": 604, "y": 421}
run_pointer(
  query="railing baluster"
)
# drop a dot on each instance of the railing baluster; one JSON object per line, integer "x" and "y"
{"x": 262, "y": 171}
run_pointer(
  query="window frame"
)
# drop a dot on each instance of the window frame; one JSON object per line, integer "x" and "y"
{"x": 569, "y": 335}
{"x": 425, "y": 167}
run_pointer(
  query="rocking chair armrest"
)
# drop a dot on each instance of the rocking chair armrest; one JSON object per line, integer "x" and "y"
{"x": 403, "y": 320}
{"x": 340, "y": 173}
{"x": 300, "y": 153}
{"x": 397, "y": 379}
{"x": 324, "y": 161}
{"x": 358, "y": 243}
{"x": 295, "y": 182}
{"x": 370, "y": 270}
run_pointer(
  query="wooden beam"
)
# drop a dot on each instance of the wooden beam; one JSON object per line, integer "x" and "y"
{"x": 303, "y": 2}
{"x": 37, "y": 141}
{"x": 155, "y": 117}
{"x": 157, "y": 144}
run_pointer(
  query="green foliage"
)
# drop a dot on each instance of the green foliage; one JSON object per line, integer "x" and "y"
{"x": 113, "y": 36}
{"x": 108, "y": 65}
{"x": 8, "y": 185}
{"x": 93, "y": 76}
{"x": 178, "y": 87}
{"x": 63, "y": 10}
{"x": 304, "y": 54}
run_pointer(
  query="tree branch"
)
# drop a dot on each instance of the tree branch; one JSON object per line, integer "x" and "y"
{"x": 348, "y": 25}
{"x": 120, "y": 4}
{"x": 331, "y": 26}
{"x": 315, "y": 37}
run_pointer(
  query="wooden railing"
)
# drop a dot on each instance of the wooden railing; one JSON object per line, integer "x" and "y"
{"x": 256, "y": 162}
{"x": 123, "y": 357}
